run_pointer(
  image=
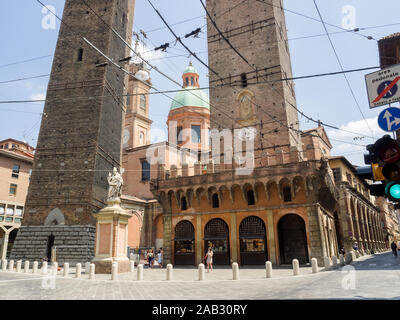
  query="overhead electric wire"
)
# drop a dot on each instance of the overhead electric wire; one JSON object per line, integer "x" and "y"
{"x": 341, "y": 66}
{"x": 312, "y": 18}
{"x": 23, "y": 79}
{"x": 24, "y": 61}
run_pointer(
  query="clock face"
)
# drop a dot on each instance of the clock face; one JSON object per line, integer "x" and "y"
{"x": 126, "y": 136}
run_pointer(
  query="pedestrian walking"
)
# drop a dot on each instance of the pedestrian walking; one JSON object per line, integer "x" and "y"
{"x": 355, "y": 246}
{"x": 209, "y": 259}
{"x": 159, "y": 257}
{"x": 150, "y": 256}
{"x": 394, "y": 248}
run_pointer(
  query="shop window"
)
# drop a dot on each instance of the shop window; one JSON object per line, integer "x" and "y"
{"x": 250, "y": 198}
{"x": 215, "y": 201}
{"x": 13, "y": 189}
{"x": 287, "y": 194}
{"x": 15, "y": 171}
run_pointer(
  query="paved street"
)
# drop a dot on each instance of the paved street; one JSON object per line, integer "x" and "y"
{"x": 373, "y": 277}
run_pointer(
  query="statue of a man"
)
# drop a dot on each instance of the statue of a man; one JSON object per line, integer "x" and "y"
{"x": 115, "y": 183}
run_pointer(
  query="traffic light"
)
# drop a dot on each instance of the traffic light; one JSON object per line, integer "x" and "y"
{"x": 384, "y": 158}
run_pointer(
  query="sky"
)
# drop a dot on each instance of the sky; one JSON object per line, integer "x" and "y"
{"x": 27, "y": 32}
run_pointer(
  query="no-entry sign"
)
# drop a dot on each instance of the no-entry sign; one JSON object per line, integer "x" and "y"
{"x": 383, "y": 86}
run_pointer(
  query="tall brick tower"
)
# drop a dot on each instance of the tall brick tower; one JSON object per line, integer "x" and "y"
{"x": 80, "y": 136}
{"x": 258, "y": 31}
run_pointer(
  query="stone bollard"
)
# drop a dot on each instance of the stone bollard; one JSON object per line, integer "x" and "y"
{"x": 349, "y": 257}
{"x": 296, "y": 268}
{"x": 335, "y": 262}
{"x": 314, "y": 265}
{"x": 44, "y": 267}
{"x": 11, "y": 265}
{"x": 341, "y": 259}
{"x": 87, "y": 267}
{"x": 140, "y": 272}
{"x": 354, "y": 255}
{"x": 26, "y": 266}
{"x": 327, "y": 263}
{"x": 66, "y": 269}
{"x": 4, "y": 265}
{"x": 78, "y": 270}
{"x": 35, "y": 267}
{"x": 54, "y": 268}
{"x": 92, "y": 271}
{"x": 202, "y": 272}
{"x": 114, "y": 271}
{"x": 235, "y": 271}
{"x": 268, "y": 269}
{"x": 19, "y": 266}
{"x": 132, "y": 266}
{"x": 170, "y": 275}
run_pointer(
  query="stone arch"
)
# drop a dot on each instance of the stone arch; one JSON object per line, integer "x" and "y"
{"x": 253, "y": 241}
{"x": 298, "y": 185}
{"x": 232, "y": 190}
{"x": 247, "y": 189}
{"x": 286, "y": 190}
{"x": 210, "y": 193}
{"x": 221, "y": 190}
{"x": 259, "y": 190}
{"x": 199, "y": 194}
{"x": 55, "y": 217}
{"x": 216, "y": 234}
{"x": 292, "y": 239}
{"x": 271, "y": 187}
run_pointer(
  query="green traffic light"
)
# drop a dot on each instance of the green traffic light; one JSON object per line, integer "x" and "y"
{"x": 393, "y": 190}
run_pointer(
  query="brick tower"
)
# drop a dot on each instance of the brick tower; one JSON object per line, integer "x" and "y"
{"x": 258, "y": 31}
{"x": 80, "y": 138}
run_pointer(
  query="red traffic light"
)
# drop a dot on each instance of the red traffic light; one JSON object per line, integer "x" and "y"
{"x": 389, "y": 153}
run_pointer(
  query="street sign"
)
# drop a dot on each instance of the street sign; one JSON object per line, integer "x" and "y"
{"x": 383, "y": 86}
{"x": 389, "y": 119}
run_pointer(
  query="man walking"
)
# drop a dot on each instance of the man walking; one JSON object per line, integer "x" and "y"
{"x": 394, "y": 248}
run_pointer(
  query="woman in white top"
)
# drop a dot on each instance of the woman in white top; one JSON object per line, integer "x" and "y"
{"x": 209, "y": 259}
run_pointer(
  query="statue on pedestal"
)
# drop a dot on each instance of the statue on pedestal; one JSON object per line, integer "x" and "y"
{"x": 115, "y": 183}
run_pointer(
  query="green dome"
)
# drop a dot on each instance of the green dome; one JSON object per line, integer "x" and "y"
{"x": 190, "y": 97}
{"x": 190, "y": 69}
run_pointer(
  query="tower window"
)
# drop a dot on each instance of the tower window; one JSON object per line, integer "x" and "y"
{"x": 243, "y": 78}
{"x": 143, "y": 103}
{"x": 191, "y": 81}
{"x": 196, "y": 134}
{"x": 145, "y": 170}
{"x": 179, "y": 135}
{"x": 215, "y": 201}
{"x": 128, "y": 100}
{"x": 183, "y": 204}
{"x": 287, "y": 194}
{"x": 80, "y": 54}
{"x": 187, "y": 81}
{"x": 141, "y": 138}
{"x": 250, "y": 198}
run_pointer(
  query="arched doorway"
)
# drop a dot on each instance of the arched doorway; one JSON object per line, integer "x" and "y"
{"x": 184, "y": 243}
{"x": 216, "y": 235}
{"x": 338, "y": 230}
{"x": 253, "y": 242}
{"x": 292, "y": 239}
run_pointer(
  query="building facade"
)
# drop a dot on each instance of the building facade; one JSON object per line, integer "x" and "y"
{"x": 16, "y": 159}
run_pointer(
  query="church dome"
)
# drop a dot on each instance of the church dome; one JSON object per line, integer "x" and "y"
{"x": 190, "y": 95}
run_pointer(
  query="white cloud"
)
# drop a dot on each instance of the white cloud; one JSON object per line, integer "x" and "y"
{"x": 38, "y": 96}
{"x": 357, "y": 134}
{"x": 148, "y": 53}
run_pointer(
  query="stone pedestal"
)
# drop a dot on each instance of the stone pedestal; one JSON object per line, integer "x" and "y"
{"x": 111, "y": 238}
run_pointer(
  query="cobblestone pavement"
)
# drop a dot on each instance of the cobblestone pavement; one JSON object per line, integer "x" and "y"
{"x": 370, "y": 277}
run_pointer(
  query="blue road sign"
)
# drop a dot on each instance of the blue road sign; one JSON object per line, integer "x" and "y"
{"x": 389, "y": 119}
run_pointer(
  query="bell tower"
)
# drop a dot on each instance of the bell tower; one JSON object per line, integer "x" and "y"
{"x": 252, "y": 93}
{"x": 80, "y": 139}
